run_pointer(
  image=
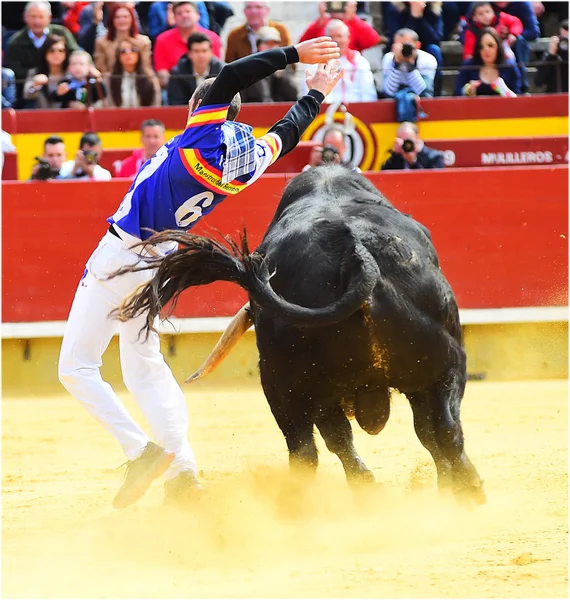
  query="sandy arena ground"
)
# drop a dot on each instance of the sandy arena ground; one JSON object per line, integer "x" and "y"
{"x": 61, "y": 538}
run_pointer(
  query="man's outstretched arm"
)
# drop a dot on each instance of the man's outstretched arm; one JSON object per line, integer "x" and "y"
{"x": 246, "y": 71}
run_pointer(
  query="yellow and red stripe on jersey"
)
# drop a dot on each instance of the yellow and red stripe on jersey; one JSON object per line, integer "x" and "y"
{"x": 209, "y": 176}
{"x": 207, "y": 116}
{"x": 274, "y": 143}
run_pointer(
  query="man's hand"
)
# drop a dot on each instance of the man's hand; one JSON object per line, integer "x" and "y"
{"x": 511, "y": 39}
{"x": 81, "y": 164}
{"x": 417, "y": 9}
{"x": 553, "y": 45}
{"x": 325, "y": 77}
{"x": 318, "y": 51}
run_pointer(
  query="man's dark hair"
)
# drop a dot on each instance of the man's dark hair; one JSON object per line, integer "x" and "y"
{"x": 152, "y": 123}
{"x": 477, "y": 60}
{"x": 204, "y": 87}
{"x": 198, "y": 38}
{"x": 52, "y": 140}
{"x": 89, "y": 139}
{"x": 564, "y": 25}
{"x": 175, "y": 5}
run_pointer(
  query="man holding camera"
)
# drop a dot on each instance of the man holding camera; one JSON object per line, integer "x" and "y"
{"x": 553, "y": 68}
{"x": 406, "y": 66}
{"x": 331, "y": 151}
{"x": 86, "y": 163}
{"x": 409, "y": 151}
{"x": 49, "y": 165}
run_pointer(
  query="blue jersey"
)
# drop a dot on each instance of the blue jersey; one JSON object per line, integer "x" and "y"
{"x": 182, "y": 182}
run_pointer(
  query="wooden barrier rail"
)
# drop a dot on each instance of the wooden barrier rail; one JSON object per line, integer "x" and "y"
{"x": 501, "y": 234}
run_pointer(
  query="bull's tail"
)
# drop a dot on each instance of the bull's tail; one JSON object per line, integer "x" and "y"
{"x": 200, "y": 260}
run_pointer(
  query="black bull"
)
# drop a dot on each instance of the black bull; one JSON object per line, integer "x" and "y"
{"x": 348, "y": 301}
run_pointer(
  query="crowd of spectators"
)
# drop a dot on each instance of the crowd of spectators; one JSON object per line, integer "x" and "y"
{"x": 130, "y": 54}
{"x": 59, "y": 55}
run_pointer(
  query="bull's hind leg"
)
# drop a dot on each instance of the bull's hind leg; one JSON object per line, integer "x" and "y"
{"x": 438, "y": 425}
{"x": 337, "y": 433}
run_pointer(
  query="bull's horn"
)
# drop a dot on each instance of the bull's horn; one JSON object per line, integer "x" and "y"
{"x": 238, "y": 326}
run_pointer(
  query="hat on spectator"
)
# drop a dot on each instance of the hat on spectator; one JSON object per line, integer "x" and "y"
{"x": 268, "y": 34}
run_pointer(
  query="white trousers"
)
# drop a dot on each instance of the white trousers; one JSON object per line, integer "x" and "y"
{"x": 148, "y": 378}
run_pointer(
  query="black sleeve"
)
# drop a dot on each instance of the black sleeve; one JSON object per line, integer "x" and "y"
{"x": 246, "y": 71}
{"x": 394, "y": 162}
{"x": 436, "y": 160}
{"x": 298, "y": 118}
{"x": 546, "y": 70}
{"x": 175, "y": 90}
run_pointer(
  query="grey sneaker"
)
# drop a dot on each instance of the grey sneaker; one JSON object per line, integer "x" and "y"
{"x": 152, "y": 463}
{"x": 183, "y": 489}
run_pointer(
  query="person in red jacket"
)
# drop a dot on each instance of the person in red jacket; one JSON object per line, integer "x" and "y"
{"x": 152, "y": 138}
{"x": 362, "y": 35}
{"x": 482, "y": 15}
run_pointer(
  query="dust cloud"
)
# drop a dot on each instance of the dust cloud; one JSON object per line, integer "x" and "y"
{"x": 246, "y": 538}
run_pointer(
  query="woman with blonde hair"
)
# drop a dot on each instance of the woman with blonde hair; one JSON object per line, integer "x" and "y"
{"x": 129, "y": 84}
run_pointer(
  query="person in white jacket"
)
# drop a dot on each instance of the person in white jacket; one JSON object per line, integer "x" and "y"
{"x": 357, "y": 84}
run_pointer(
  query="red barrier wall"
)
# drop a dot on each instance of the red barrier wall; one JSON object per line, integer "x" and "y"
{"x": 501, "y": 235}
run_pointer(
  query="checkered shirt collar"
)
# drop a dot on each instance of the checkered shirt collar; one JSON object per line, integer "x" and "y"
{"x": 240, "y": 150}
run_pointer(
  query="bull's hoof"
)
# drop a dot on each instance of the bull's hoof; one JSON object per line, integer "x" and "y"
{"x": 363, "y": 478}
{"x": 470, "y": 495}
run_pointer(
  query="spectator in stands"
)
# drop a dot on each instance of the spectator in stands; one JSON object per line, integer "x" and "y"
{"x": 422, "y": 17}
{"x": 488, "y": 72}
{"x": 51, "y": 161}
{"x": 451, "y": 13}
{"x": 409, "y": 151}
{"x": 42, "y": 83}
{"x": 553, "y": 68}
{"x": 171, "y": 45}
{"x": 83, "y": 85}
{"x": 406, "y": 66}
{"x": 161, "y": 18}
{"x": 8, "y": 88}
{"x": 130, "y": 86}
{"x": 71, "y": 16}
{"x": 357, "y": 83}
{"x": 279, "y": 87}
{"x": 219, "y": 13}
{"x": 85, "y": 165}
{"x": 362, "y": 35}
{"x": 195, "y": 66}
{"x": 332, "y": 150}
{"x": 121, "y": 24}
{"x": 152, "y": 138}
{"x": 481, "y": 16}
{"x": 531, "y": 31}
{"x": 242, "y": 40}
{"x": 23, "y": 52}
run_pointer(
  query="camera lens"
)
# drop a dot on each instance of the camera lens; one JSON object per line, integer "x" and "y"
{"x": 329, "y": 154}
{"x": 408, "y": 146}
{"x": 407, "y": 50}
